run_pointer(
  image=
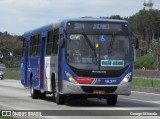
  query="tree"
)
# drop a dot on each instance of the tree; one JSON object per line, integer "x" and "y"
{"x": 9, "y": 44}
{"x": 155, "y": 50}
{"x": 146, "y": 26}
{"x": 147, "y": 61}
{"x": 116, "y": 17}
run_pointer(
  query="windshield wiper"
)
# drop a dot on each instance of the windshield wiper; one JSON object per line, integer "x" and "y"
{"x": 111, "y": 45}
{"x": 91, "y": 46}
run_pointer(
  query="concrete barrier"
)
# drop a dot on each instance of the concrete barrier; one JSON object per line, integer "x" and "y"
{"x": 147, "y": 73}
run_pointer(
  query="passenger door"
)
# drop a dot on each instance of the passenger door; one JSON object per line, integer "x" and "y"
{"x": 42, "y": 58}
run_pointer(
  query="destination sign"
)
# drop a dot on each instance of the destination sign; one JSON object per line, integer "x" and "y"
{"x": 113, "y": 63}
{"x": 94, "y": 26}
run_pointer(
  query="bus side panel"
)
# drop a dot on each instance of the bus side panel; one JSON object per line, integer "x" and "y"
{"x": 60, "y": 70}
{"x": 61, "y": 61}
{"x": 22, "y": 72}
{"x": 42, "y": 59}
{"x": 34, "y": 71}
{"x": 24, "y": 64}
{"x": 51, "y": 68}
{"x": 54, "y": 67}
{"x": 47, "y": 74}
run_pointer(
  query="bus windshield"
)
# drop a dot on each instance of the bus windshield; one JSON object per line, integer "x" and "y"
{"x": 98, "y": 52}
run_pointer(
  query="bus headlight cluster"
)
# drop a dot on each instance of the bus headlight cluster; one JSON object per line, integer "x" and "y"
{"x": 70, "y": 77}
{"x": 1, "y": 73}
{"x": 126, "y": 78}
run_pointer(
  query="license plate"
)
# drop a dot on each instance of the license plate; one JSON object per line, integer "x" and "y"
{"x": 99, "y": 92}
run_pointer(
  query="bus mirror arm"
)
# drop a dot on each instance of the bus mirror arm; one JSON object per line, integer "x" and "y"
{"x": 134, "y": 54}
{"x": 61, "y": 42}
{"x": 136, "y": 41}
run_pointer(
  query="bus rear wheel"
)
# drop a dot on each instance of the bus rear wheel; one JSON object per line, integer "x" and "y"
{"x": 112, "y": 100}
{"x": 42, "y": 95}
{"x": 54, "y": 91}
{"x": 34, "y": 93}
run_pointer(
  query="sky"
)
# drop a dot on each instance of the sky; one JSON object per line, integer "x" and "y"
{"x": 19, "y": 16}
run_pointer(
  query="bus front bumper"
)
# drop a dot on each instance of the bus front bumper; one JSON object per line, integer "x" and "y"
{"x": 71, "y": 88}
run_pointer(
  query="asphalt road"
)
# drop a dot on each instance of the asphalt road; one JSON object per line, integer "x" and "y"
{"x": 13, "y": 96}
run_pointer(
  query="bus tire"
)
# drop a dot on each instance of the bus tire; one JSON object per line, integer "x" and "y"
{"x": 34, "y": 93}
{"x": 53, "y": 88}
{"x": 112, "y": 100}
{"x": 42, "y": 95}
{"x": 60, "y": 99}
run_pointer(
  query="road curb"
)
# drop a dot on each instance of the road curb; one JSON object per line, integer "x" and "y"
{"x": 148, "y": 90}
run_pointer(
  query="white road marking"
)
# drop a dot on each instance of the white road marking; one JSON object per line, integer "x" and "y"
{"x": 11, "y": 107}
{"x": 156, "y": 102}
{"x": 146, "y": 93}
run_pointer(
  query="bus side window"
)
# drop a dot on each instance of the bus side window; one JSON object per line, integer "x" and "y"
{"x": 49, "y": 43}
{"x": 55, "y": 41}
{"x": 31, "y": 45}
{"x": 24, "y": 47}
{"x": 35, "y": 45}
{"x": 38, "y": 45}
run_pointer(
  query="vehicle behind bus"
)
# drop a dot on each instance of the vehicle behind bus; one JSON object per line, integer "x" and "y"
{"x": 78, "y": 58}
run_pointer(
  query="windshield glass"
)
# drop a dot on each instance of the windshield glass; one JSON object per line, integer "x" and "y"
{"x": 98, "y": 52}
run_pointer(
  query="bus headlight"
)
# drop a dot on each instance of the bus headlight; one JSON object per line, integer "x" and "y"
{"x": 70, "y": 78}
{"x": 126, "y": 78}
{"x": 1, "y": 73}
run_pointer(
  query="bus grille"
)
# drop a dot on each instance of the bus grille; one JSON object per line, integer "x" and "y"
{"x": 90, "y": 89}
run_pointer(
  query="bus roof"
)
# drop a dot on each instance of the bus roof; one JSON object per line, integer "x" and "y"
{"x": 52, "y": 25}
{"x": 95, "y": 19}
{"x": 38, "y": 30}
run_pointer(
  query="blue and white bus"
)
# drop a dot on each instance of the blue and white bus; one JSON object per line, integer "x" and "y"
{"x": 78, "y": 58}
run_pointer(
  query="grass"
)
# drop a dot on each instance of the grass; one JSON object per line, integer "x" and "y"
{"x": 12, "y": 74}
{"x": 145, "y": 82}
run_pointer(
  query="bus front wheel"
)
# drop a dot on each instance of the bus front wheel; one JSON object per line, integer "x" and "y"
{"x": 112, "y": 100}
{"x": 60, "y": 99}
